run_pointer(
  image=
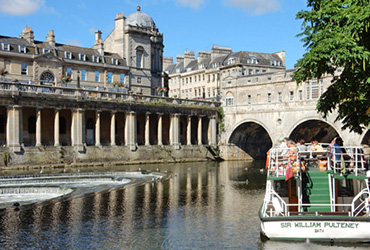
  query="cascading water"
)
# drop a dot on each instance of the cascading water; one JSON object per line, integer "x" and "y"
{"x": 26, "y": 189}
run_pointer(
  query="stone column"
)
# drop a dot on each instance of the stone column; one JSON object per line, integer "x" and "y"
{"x": 14, "y": 128}
{"x": 160, "y": 126}
{"x": 38, "y": 127}
{"x": 175, "y": 131}
{"x": 97, "y": 128}
{"x": 113, "y": 129}
{"x": 78, "y": 129}
{"x": 188, "y": 131}
{"x": 212, "y": 131}
{"x": 56, "y": 128}
{"x": 147, "y": 131}
{"x": 131, "y": 130}
{"x": 199, "y": 130}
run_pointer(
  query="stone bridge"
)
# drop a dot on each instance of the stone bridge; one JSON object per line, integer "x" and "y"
{"x": 259, "y": 112}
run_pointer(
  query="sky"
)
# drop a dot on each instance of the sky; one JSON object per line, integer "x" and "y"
{"x": 266, "y": 26}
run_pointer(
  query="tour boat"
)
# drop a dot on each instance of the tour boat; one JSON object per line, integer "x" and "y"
{"x": 317, "y": 196}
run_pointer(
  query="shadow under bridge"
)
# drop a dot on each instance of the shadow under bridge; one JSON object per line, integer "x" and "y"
{"x": 252, "y": 139}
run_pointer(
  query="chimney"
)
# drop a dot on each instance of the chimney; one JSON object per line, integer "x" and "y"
{"x": 99, "y": 45}
{"x": 167, "y": 61}
{"x": 27, "y": 34}
{"x": 179, "y": 58}
{"x": 50, "y": 38}
{"x": 203, "y": 55}
{"x": 98, "y": 37}
{"x": 218, "y": 51}
{"x": 188, "y": 57}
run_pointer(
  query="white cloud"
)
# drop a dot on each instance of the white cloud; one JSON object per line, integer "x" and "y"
{"x": 195, "y": 4}
{"x": 20, "y": 7}
{"x": 255, "y": 6}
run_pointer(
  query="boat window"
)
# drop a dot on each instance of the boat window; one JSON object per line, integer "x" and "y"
{"x": 345, "y": 187}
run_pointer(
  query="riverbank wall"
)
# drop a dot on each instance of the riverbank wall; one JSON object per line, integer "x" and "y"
{"x": 105, "y": 155}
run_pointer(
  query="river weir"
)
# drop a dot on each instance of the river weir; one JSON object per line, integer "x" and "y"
{"x": 26, "y": 189}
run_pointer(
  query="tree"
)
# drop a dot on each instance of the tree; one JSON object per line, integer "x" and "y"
{"x": 336, "y": 35}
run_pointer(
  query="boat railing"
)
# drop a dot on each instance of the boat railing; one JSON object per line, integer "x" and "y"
{"x": 346, "y": 159}
{"x": 350, "y": 160}
{"x": 279, "y": 206}
{"x": 362, "y": 201}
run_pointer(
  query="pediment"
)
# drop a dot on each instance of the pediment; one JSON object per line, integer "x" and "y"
{"x": 49, "y": 57}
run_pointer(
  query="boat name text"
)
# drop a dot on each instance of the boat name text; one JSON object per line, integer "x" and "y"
{"x": 319, "y": 225}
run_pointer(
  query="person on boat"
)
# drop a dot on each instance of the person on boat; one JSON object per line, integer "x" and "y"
{"x": 301, "y": 145}
{"x": 292, "y": 152}
{"x": 284, "y": 146}
{"x": 315, "y": 146}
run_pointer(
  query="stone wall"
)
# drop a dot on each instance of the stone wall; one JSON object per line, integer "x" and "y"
{"x": 64, "y": 156}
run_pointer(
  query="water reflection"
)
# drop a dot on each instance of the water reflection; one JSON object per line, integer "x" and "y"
{"x": 203, "y": 206}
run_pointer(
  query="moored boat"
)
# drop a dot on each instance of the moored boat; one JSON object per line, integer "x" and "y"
{"x": 317, "y": 195}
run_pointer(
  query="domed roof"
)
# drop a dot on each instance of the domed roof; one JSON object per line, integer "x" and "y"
{"x": 140, "y": 19}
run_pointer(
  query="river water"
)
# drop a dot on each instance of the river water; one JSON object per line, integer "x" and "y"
{"x": 202, "y": 206}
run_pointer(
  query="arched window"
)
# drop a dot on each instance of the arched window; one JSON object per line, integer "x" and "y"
{"x": 47, "y": 77}
{"x": 229, "y": 100}
{"x": 32, "y": 124}
{"x": 139, "y": 57}
{"x": 62, "y": 125}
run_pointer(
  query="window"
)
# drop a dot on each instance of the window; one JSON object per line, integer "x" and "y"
{"x": 139, "y": 57}
{"x": 95, "y": 59}
{"x": 68, "y": 55}
{"x": 83, "y": 75}
{"x": 250, "y": 71}
{"x": 257, "y": 71}
{"x": 97, "y": 76}
{"x": 252, "y": 60}
{"x": 122, "y": 78}
{"x": 201, "y": 66}
{"x": 249, "y": 99}
{"x": 268, "y": 97}
{"x": 229, "y": 100}
{"x": 275, "y": 63}
{"x": 115, "y": 61}
{"x": 280, "y": 97}
{"x": 291, "y": 96}
{"x": 22, "y": 49}
{"x": 231, "y": 61}
{"x": 45, "y": 51}
{"x": 110, "y": 75}
{"x": 24, "y": 67}
{"x": 82, "y": 57}
{"x": 300, "y": 95}
{"x": 6, "y": 46}
{"x": 69, "y": 72}
{"x": 139, "y": 80}
{"x": 314, "y": 89}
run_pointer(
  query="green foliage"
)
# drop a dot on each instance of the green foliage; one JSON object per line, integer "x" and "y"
{"x": 221, "y": 123}
{"x": 336, "y": 34}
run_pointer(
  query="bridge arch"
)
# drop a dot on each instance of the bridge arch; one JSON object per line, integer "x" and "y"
{"x": 366, "y": 138}
{"x": 252, "y": 137}
{"x": 312, "y": 128}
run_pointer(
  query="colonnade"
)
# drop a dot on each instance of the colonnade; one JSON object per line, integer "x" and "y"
{"x": 193, "y": 129}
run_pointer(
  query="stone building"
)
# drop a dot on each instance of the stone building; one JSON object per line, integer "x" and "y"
{"x": 202, "y": 78}
{"x": 129, "y": 58}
